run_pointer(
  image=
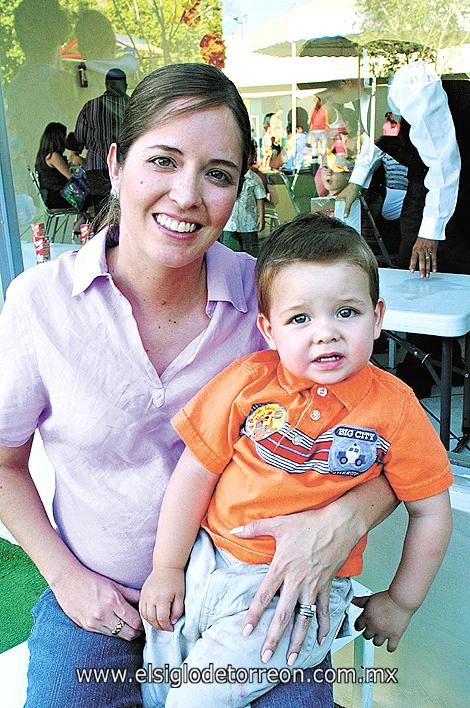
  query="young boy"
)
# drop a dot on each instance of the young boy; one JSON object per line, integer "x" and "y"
{"x": 279, "y": 432}
{"x": 247, "y": 218}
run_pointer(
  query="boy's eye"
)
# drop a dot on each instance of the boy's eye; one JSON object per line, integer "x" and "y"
{"x": 346, "y": 312}
{"x": 162, "y": 161}
{"x": 220, "y": 176}
{"x": 300, "y": 319}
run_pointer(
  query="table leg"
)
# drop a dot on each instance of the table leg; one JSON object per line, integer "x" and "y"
{"x": 446, "y": 390}
{"x": 466, "y": 389}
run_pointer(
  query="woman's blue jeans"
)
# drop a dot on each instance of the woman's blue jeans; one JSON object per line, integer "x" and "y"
{"x": 70, "y": 666}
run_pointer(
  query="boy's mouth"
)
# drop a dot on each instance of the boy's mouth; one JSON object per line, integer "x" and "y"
{"x": 328, "y": 357}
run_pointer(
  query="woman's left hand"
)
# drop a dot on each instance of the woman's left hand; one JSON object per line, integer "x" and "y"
{"x": 311, "y": 546}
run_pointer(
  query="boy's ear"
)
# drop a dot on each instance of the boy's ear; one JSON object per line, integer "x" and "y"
{"x": 265, "y": 328}
{"x": 379, "y": 313}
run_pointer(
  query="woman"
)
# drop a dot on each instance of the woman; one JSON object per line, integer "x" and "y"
{"x": 51, "y": 166}
{"x": 103, "y": 346}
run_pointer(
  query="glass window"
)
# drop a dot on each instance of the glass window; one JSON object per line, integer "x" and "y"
{"x": 302, "y": 94}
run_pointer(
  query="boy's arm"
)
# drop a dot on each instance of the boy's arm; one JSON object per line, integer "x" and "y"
{"x": 387, "y": 614}
{"x": 185, "y": 502}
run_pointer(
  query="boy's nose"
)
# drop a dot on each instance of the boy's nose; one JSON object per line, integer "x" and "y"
{"x": 325, "y": 332}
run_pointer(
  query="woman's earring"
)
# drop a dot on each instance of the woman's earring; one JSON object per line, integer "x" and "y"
{"x": 113, "y": 193}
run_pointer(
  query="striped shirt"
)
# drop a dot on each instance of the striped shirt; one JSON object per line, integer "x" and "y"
{"x": 395, "y": 173}
{"x": 98, "y": 126}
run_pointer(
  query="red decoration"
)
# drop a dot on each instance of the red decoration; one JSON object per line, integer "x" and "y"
{"x": 192, "y": 16}
{"x": 213, "y": 49}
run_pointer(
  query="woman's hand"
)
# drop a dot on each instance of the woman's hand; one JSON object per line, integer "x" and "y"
{"x": 162, "y": 597}
{"x": 98, "y": 604}
{"x": 311, "y": 546}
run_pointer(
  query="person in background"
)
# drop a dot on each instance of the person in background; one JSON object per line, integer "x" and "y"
{"x": 339, "y": 144}
{"x": 275, "y": 124}
{"x": 254, "y": 167}
{"x": 266, "y": 141}
{"x": 333, "y": 175}
{"x": 40, "y": 91}
{"x": 433, "y": 143}
{"x": 276, "y": 161}
{"x": 319, "y": 125}
{"x": 297, "y": 152}
{"x": 51, "y": 166}
{"x": 102, "y": 347}
{"x": 74, "y": 157}
{"x": 433, "y": 127}
{"x": 247, "y": 217}
{"x": 97, "y": 128}
{"x": 391, "y": 126}
{"x": 96, "y": 42}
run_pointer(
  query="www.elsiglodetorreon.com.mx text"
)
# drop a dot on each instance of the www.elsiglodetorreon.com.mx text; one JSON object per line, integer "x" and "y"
{"x": 179, "y": 675}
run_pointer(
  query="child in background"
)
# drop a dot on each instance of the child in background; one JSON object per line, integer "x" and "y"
{"x": 391, "y": 126}
{"x": 339, "y": 144}
{"x": 74, "y": 157}
{"x": 333, "y": 175}
{"x": 266, "y": 141}
{"x": 247, "y": 217}
{"x": 282, "y": 431}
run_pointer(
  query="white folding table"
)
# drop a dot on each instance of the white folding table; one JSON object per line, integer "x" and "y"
{"x": 440, "y": 306}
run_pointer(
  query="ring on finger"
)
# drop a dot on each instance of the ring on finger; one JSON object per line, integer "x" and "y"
{"x": 118, "y": 628}
{"x": 305, "y": 609}
{"x": 427, "y": 255}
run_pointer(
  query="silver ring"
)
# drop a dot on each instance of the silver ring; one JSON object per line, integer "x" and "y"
{"x": 305, "y": 609}
{"x": 427, "y": 255}
{"x": 118, "y": 628}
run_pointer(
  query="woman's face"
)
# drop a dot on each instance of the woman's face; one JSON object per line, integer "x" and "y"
{"x": 177, "y": 186}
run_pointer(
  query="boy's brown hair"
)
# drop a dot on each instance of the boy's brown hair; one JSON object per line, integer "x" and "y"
{"x": 312, "y": 238}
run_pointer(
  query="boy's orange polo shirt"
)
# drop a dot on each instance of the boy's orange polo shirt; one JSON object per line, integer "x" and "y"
{"x": 282, "y": 445}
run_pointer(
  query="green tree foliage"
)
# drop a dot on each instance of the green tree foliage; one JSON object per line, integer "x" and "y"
{"x": 162, "y": 24}
{"x": 172, "y": 29}
{"x": 418, "y": 29}
{"x": 11, "y": 55}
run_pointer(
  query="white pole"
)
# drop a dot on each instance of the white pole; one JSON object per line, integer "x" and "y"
{"x": 293, "y": 95}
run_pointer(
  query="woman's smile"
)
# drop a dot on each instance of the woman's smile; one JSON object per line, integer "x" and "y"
{"x": 177, "y": 188}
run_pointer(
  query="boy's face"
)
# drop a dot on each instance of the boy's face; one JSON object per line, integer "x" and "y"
{"x": 322, "y": 320}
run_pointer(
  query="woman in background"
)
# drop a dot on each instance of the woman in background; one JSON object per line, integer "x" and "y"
{"x": 51, "y": 166}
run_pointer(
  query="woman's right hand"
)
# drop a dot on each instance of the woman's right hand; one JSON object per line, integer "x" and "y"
{"x": 90, "y": 600}
{"x": 97, "y": 604}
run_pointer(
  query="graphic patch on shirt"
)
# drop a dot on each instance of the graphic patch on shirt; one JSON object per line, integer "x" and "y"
{"x": 353, "y": 450}
{"x": 343, "y": 450}
{"x": 264, "y": 420}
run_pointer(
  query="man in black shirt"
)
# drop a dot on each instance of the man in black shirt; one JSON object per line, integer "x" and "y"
{"x": 97, "y": 127}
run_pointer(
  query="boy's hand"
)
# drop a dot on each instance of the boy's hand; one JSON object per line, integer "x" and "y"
{"x": 162, "y": 597}
{"x": 382, "y": 619}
